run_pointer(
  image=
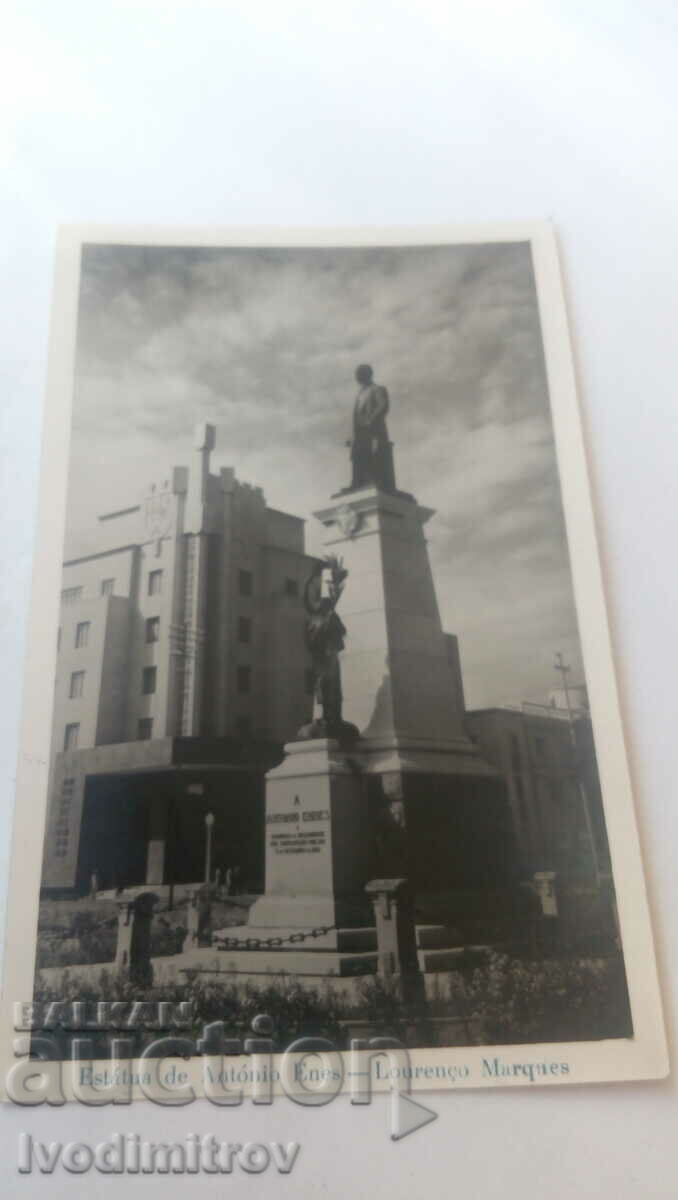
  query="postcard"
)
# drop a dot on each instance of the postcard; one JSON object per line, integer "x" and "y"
{"x": 322, "y": 785}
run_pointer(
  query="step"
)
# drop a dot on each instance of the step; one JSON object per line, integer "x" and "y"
{"x": 436, "y": 936}
{"x": 210, "y": 961}
{"x": 453, "y": 958}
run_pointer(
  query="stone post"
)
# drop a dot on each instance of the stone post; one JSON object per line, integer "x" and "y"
{"x": 396, "y": 935}
{"x": 546, "y": 889}
{"x": 198, "y": 914}
{"x": 156, "y": 849}
{"x": 133, "y": 950}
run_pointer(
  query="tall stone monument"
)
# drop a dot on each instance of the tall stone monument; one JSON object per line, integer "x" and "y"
{"x": 384, "y": 781}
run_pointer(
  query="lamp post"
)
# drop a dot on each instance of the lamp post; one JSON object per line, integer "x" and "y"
{"x": 209, "y": 826}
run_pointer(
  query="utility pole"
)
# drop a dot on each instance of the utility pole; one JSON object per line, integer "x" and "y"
{"x": 564, "y": 669}
{"x": 561, "y": 666}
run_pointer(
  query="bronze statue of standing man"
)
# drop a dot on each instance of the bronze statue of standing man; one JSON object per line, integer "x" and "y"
{"x": 324, "y": 635}
{"x": 371, "y": 451}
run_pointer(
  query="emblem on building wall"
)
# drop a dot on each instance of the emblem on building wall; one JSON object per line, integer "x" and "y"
{"x": 348, "y": 520}
{"x": 158, "y": 514}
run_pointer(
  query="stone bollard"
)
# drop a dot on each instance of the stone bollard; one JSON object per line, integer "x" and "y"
{"x": 546, "y": 889}
{"x": 133, "y": 950}
{"x": 198, "y": 912}
{"x": 396, "y": 935}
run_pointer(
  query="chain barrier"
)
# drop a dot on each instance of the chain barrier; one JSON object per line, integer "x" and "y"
{"x": 255, "y": 943}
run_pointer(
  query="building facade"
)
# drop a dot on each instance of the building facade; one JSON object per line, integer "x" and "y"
{"x": 546, "y": 754}
{"x": 183, "y": 632}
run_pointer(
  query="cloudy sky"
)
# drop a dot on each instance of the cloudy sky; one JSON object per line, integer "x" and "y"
{"x": 264, "y": 345}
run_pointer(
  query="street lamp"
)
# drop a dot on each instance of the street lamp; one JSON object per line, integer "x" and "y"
{"x": 209, "y": 825}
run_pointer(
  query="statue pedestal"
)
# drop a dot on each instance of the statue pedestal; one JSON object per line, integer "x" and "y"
{"x": 316, "y": 840}
{"x": 315, "y": 908}
{"x": 402, "y": 688}
{"x": 400, "y": 680}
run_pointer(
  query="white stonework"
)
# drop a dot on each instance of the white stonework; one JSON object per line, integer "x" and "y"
{"x": 316, "y": 839}
{"x": 398, "y": 682}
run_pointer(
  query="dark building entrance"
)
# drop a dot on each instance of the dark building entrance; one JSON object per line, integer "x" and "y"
{"x": 150, "y": 827}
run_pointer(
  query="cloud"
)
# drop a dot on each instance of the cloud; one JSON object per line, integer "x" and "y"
{"x": 264, "y": 344}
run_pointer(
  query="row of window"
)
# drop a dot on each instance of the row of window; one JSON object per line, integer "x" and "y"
{"x": 153, "y": 635}
{"x": 243, "y": 728}
{"x": 82, "y": 629}
{"x": 149, "y": 675}
{"x": 149, "y": 679}
{"x": 246, "y": 584}
{"x": 71, "y": 595}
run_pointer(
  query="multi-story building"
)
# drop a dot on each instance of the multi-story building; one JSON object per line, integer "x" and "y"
{"x": 181, "y": 672}
{"x": 547, "y": 757}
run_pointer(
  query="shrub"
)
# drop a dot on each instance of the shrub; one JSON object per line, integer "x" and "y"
{"x": 505, "y": 1001}
{"x": 512, "y": 1000}
{"x": 295, "y": 1011}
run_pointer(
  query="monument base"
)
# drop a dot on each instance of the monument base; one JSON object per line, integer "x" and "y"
{"x": 315, "y": 917}
{"x": 338, "y": 817}
{"x": 317, "y": 841}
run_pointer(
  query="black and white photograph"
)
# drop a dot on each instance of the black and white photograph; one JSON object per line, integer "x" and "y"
{"x": 339, "y": 496}
{"x": 322, "y": 744}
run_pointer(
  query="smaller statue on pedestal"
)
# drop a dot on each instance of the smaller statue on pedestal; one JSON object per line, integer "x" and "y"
{"x": 325, "y": 633}
{"x": 371, "y": 451}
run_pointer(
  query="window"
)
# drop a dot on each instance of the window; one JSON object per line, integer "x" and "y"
{"x": 152, "y": 629}
{"x": 309, "y": 681}
{"x": 148, "y": 680}
{"x": 516, "y": 758}
{"x": 245, "y": 583}
{"x": 291, "y": 587}
{"x": 71, "y": 736}
{"x": 244, "y": 679}
{"x": 244, "y": 629}
{"x": 243, "y": 727}
{"x": 82, "y": 634}
{"x": 77, "y": 684}
{"x": 107, "y": 586}
{"x": 540, "y": 748}
{"x": 154, "y": 583}
{"x": 71, "y": 595}
{"x": 145, "y": 729}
